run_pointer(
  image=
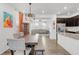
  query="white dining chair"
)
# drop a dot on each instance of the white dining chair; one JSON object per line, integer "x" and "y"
{"x": 17, "y": 47}
{"x": 21, "y": 34}
{"x": 18, "y": 35}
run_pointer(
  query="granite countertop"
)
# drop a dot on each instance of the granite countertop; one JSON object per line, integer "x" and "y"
{"x": 71, "y": 35}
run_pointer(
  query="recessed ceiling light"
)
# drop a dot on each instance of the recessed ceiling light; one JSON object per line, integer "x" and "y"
{"x": 44, "y": 24}
{"x": 68, "y": 13}
{"x": 78, "y": 9}
{"x": 36, "y": 24}
{"x": 43, "y": 11}
{"x": 58, "y": 12}
{"x": 65, "y": 8}
{"x": 37, "y": 20}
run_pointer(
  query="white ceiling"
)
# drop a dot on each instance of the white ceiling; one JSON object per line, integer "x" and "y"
{"x": 49, "y": 8}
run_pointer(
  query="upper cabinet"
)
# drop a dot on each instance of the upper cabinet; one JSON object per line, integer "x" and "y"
{"x": 73, "y": 21}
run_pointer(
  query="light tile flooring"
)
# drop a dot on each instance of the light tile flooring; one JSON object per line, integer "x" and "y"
{"x": 50, "y": 46}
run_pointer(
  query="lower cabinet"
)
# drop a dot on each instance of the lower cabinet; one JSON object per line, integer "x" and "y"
{"x": 69, "y": 44}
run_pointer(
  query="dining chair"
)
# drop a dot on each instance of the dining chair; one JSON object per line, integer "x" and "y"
{"x": 21, "y": 34}
{"x": 17, "y": 47}
{"x": 18, "y": 35}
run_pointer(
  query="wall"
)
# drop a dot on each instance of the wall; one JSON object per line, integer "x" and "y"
{"x": 53, "y": 27}
{"x": 6, "y": 32}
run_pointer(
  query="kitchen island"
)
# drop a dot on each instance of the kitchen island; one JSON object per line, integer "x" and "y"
{"x": 70, "y": 42}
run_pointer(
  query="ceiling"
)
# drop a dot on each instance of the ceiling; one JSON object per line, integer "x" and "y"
{"x": 48, "y": 8}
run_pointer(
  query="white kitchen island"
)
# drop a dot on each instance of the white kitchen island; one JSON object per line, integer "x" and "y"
{"x": 70, "y": 42}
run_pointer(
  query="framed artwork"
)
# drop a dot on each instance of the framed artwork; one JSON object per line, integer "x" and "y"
{"x": 7, "y": 21}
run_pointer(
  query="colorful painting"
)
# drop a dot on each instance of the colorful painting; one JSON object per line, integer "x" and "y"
{"x": 8, "y": 22}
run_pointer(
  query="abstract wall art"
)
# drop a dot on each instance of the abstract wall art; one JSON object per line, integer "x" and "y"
{"x": 7, "y": 21}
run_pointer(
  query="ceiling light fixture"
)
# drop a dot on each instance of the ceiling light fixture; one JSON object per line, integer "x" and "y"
{"x": 44, "y": 24}
{"x": 36, "y": 24}
{"x": 43, "y": 11}
{"x": 68, "y": 13}
{"x": 65, "y": 8}
{"x": 58, "y": 13}
{"x": 30, "y": 14}
{"x": 78, "y": 9}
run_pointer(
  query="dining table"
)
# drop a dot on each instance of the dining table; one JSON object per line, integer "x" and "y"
{"x": 32, "y": 40}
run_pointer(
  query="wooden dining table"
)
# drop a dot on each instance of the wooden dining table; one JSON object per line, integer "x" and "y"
{"x": 32, "y": 40}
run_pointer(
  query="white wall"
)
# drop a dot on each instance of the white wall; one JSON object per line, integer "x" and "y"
{"x": 53, "y": 27}
{"x": 6, "y": 32}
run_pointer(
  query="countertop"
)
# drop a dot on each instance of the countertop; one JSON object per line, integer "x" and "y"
{"x": 71, "y": 35}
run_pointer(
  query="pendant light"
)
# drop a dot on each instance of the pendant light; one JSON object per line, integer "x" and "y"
{"x": 30, "y": 14}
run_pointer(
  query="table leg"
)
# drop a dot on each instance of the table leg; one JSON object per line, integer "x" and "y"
{"x": 12, "y": 53}
{"x": 24, "y": 52}
{"x": 33, "y": 50}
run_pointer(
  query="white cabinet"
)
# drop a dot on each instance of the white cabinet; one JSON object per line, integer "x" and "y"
{"x": 69, "y": 44}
